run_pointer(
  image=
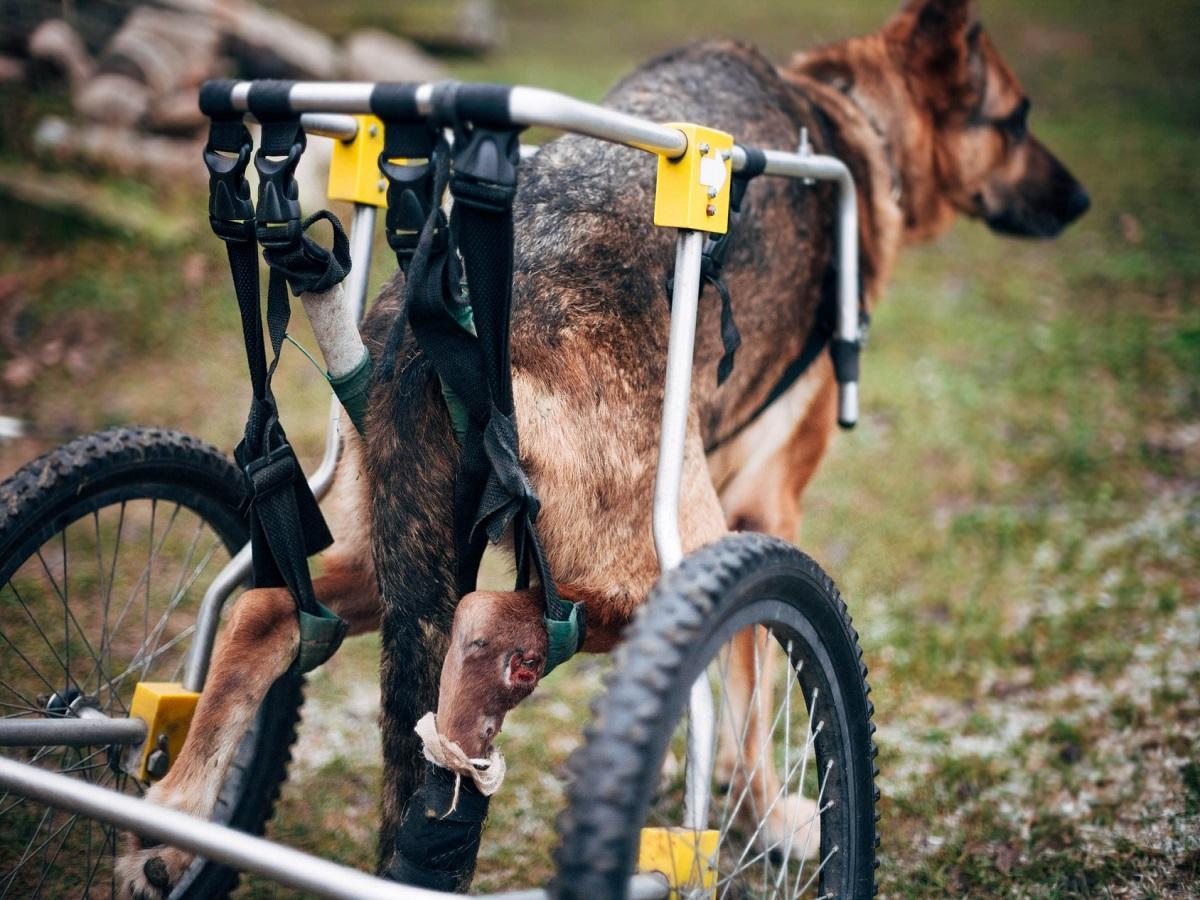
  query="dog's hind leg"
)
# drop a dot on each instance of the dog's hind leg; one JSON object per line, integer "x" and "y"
{"x": 497, "y": 652}
{"x": 255, "y": 647}
{"x": 764, "y": 496}
{"x": 348, "y": 585}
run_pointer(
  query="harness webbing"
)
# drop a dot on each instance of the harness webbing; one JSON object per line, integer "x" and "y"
{"x": 713, "y": 256}
{"x": 286, "y": 524}
{"x": 822, "y": 333}
{"x": 467, "y": 341}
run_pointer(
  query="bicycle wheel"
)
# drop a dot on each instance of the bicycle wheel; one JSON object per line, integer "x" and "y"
{"x": 107, "y": 545}
{"x": 813, "y": 737}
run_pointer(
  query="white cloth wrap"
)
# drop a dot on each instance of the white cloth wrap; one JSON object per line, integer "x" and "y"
{"x": 335, "y": 329}
{"x": 488, "y": 774}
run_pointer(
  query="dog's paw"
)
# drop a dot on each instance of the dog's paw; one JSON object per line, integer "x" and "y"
{"x": 146, "y": 871}
{"x": 793, "y": 830}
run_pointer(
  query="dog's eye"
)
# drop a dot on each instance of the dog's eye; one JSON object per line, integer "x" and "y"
{"x": 479, "y": 643}
{"x": 1016, "y": 125}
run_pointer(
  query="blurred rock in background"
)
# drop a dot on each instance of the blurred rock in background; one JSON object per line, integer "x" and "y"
{"x": 133, "y": 69}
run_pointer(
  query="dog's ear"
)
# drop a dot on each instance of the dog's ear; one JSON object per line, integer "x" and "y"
{"x": 939, "y": 41}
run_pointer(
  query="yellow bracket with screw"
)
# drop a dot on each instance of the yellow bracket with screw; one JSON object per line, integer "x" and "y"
{"x": 167, "y": 709}
{"x": 693, "y": 190}
{"x": 354, "y": 169}
{"x": 687, "y": 858}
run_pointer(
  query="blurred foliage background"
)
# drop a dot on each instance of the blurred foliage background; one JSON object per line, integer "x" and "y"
{"x": 1016, "y": 522}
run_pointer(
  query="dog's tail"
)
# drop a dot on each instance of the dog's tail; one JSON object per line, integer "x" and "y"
{"x": 410, "y": 459}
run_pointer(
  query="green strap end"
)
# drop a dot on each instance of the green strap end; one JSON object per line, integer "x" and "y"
{"x": 353, "y": 390}
{"x": 563, "y": 639}
{"x": 320, "y": 636}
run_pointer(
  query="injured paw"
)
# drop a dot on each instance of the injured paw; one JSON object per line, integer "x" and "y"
{"x": 496, "y": 656}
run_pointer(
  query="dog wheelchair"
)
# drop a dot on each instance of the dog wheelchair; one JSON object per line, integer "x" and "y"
{"x": 106, "y": 543}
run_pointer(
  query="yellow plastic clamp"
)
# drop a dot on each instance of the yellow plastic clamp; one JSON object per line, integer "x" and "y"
{"x": 687, "y": 858}
{"x": 166, "y": 708}
{"x": 693, "y": 190}
{"x": 354, "y": 169}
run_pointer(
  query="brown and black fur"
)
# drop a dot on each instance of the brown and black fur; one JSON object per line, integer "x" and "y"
{"x": 922, "y": 113}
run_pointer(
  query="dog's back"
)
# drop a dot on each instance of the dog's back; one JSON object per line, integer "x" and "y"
{"x": 591, "y": 263}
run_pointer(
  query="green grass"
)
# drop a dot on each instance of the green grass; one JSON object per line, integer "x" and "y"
{"x": 1016, "y": 522}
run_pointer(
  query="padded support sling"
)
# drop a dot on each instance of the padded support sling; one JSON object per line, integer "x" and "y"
{"x": 286, "y": 525}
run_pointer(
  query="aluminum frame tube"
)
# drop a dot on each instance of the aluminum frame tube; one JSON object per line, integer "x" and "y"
{"x": 238, "y": 569}
{"x": 700, "y": 744}
{"x": 829, "y": 168}
{"x": 647, "y": 886}
{"x": 283, "y": 865}
{"x": 246, "y": 853}
{"x": 685, "y": 299}
{"x": 527, "y": 106}
{"x": 668, "y": 542}
{"x": 89, "y": 731}
{"x": 550, "y": 109}
{"x": 330, "y": 125}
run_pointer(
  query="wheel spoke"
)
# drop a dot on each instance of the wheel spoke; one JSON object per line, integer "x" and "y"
{"x": 49, "y": 645}
{"x": 179, "y": 524}
{"x": 150, "y": 646}
{"x": 69, "y": 618}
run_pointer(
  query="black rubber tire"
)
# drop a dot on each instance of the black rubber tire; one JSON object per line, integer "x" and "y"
{"x": 671, "y": 641}
{"x": 93, "y": 471}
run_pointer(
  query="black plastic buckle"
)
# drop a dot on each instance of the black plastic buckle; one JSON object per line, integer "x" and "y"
{"x": 485, "y": 167}
{"x": 230, "y": 210}
{"x": 267, "y": 474}
{"x": 410, "y": 201}
{"x": 277, "y": 223}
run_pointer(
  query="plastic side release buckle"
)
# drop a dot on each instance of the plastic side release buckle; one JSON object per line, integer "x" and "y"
{"x": 278, "y": 217}
{"x": 409, "y": 201}
{"x": 687, "y": 858}
{"x": 354, "y": 167}
{"x": 167, "y": 709}
{"x": 693, "y": 191}
{"x": 485, "y": 168}
{"x": 230, "y": 210}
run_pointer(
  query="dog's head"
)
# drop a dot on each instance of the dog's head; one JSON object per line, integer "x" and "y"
{"x": 986, "y": 161}
{"x": 957, "y": 119}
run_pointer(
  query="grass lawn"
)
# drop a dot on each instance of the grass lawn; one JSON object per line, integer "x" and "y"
{"x": 1016, "y": 521}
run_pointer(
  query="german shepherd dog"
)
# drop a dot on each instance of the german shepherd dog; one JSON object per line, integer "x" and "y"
{"x": 931, "y": 122}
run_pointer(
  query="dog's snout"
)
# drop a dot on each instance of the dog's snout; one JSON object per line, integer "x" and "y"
{"x": 1077, "y": 203}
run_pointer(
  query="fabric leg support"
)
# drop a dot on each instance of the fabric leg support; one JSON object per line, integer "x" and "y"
{"x": 438, "y": 841}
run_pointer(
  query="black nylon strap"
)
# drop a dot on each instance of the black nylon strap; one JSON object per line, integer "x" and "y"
{"x": 484, "y": 185}
{"x": 285, "y": 522}
{"x": 492, "y": 491}
{"x": 712, "y": 261}
{"x": 433, "y": 283}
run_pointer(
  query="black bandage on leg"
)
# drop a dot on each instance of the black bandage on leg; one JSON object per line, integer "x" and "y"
{"x": 438, "y": 840}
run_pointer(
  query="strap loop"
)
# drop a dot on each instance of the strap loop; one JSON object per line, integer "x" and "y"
{"x": 410, "y": 194}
